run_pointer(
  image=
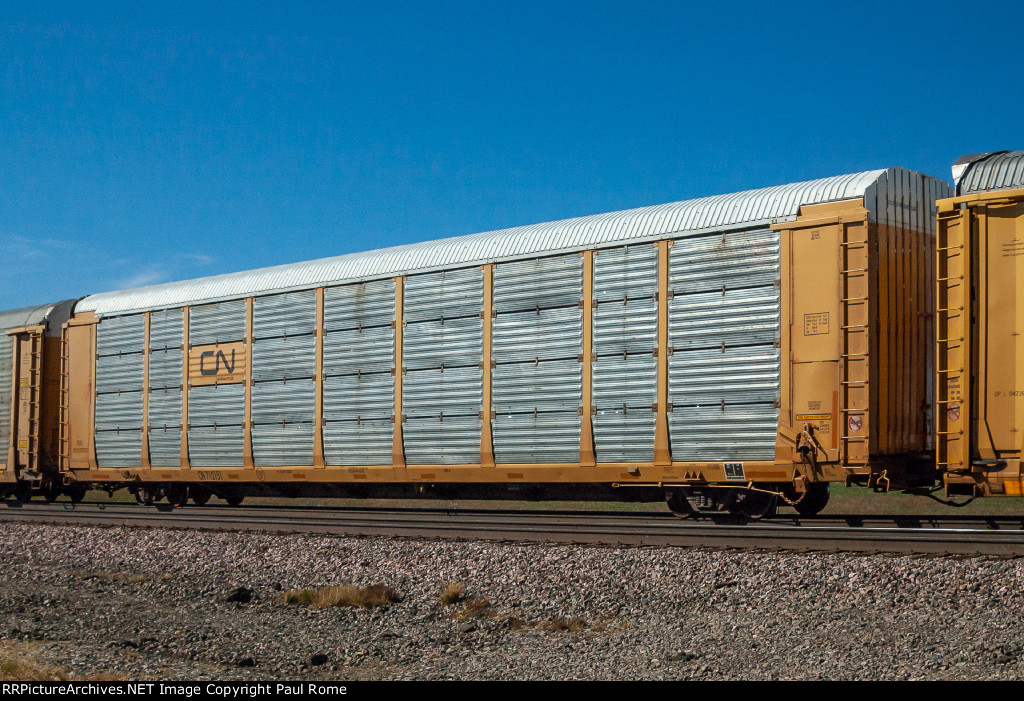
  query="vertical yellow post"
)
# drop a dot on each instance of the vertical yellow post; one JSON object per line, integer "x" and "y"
{"x": 662, "y": 449}
{"x": 147, "y": 320}
{"x": 588, "y": 456}
{"x": 247, "y": 429}
{"x": 185, "y": 348}
{"x": 486, "y": 440}
{"x": 398, "y": 443}
{"x": 318, "y": 415}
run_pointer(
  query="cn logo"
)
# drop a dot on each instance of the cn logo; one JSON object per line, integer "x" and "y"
{"x": 217, "y": 356}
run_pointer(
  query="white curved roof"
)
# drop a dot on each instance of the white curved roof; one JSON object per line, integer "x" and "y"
{"x": 733, "y": 211}
{"x": 1002, "y": 170}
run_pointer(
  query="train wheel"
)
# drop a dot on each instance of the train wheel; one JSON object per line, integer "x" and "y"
{"x": 145, "y": 495}
{"x": 675, "y": 497}
{"x": 200, "y": 495}
{"x": 177, "y": 494}
{"x": 234, "y": 499}
{"x": 76, "y": 492}
{"x": 814, "y": 500}
{"x": 757, "y": 505}
{"x": 51, "y": 492}
{"x": 23, "y": 492}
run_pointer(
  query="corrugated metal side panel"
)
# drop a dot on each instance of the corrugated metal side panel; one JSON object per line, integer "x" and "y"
{"x": 291, "y": 401}
{"x": 537, "y": 344}
{"x": 120, "y": 335}
{"x": 362, "y": 305}
{"x": 165, "y": 369}
{"x": 443, "y": 404}
{"x": 735, "y": 259}
{"x": 167, "y": 330}
{"x": 352, "y": 397}
{"x": 451, "y": 392}
{"x": 284, "y": 357}
{"x": 624, "y": 392}
{"x": 542, "y": 283}
{"x": 724, "y": 321}
{"x": 119, "y": 379}
{"x": 165, "y": 408}
{"x": 220, "y": 446}
{"x": 118, "y": 410}
{"x": 738, "y": 317}
{"x": 524, "y": 387}
{"x": 356, "y": 351}
{"x": 537, "y": 438}
{"x": 1001, "y": 171}
{"x": 453, "y": 441}
{"x": 548, "y": 335}
{"x": 624, "y": 436}
{"x": 735, "y": 210}
{"x": 220, "y": 405}
{"x": 223, "y": 322}
{"x": 451, "y": 343}
{"x": 284, "y": 315}
{"x": 740, "y": 432}
{"x": 118, "y": 435}
{"x": 448, "y": 294}
{"x": 276, "y": 445}
{"x": 119, "y": 448}
{"x": 6, "y": 390}
{"x": 165, "y": 447}
{"x": 735, "y": 376}
{"x": 630, "y": 272}
{"x": 122, "y": 373}
{"x": 631, "y": 381}
{"x": 630, "y": 327}
{"x": 165, "y": 427}
{"x": 365, "y": 442}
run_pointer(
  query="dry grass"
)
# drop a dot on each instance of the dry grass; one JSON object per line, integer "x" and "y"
{"x": 475, "y": 607}
{"x": 344, "y": 595}
{"x": 558, "y": 625}
{"x": 452, "y": 594}
{"x": 18, "y": 663}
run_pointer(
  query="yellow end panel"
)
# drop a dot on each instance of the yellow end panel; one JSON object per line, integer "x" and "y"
{"x": 81, "y": 395}
{"x": 952, "y": 344}
{"x": 815, "y": 403}
{"x": 815, "y": 333}
{"x": 827, "y": 292}
{"x": 999, "y": 399}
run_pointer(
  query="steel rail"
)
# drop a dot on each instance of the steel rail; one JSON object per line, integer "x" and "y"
{"x": 954, "y": 534}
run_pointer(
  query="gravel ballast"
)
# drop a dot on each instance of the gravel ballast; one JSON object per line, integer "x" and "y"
{"x": 176, "y": 604}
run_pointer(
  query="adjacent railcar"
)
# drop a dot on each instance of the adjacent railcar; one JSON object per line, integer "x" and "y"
{"x": 980, "y": 313}
{"x": 726, "y": 349}
{"x": 30, "y": 384}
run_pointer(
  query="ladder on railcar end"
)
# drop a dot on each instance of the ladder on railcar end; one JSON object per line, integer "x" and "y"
{"x": 64, "y": 439}
{"x": 952, "y": 340}
{"x": 34, "y": 386}
{"x": 854, "y": 367}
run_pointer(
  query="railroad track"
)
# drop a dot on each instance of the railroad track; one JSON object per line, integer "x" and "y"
{"x": 964, "y": 535}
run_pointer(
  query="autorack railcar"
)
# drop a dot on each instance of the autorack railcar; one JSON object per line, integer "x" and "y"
{"x": 725, "y": 351}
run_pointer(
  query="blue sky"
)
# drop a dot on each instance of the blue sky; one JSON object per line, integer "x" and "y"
{"x": 141, "y": 144}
